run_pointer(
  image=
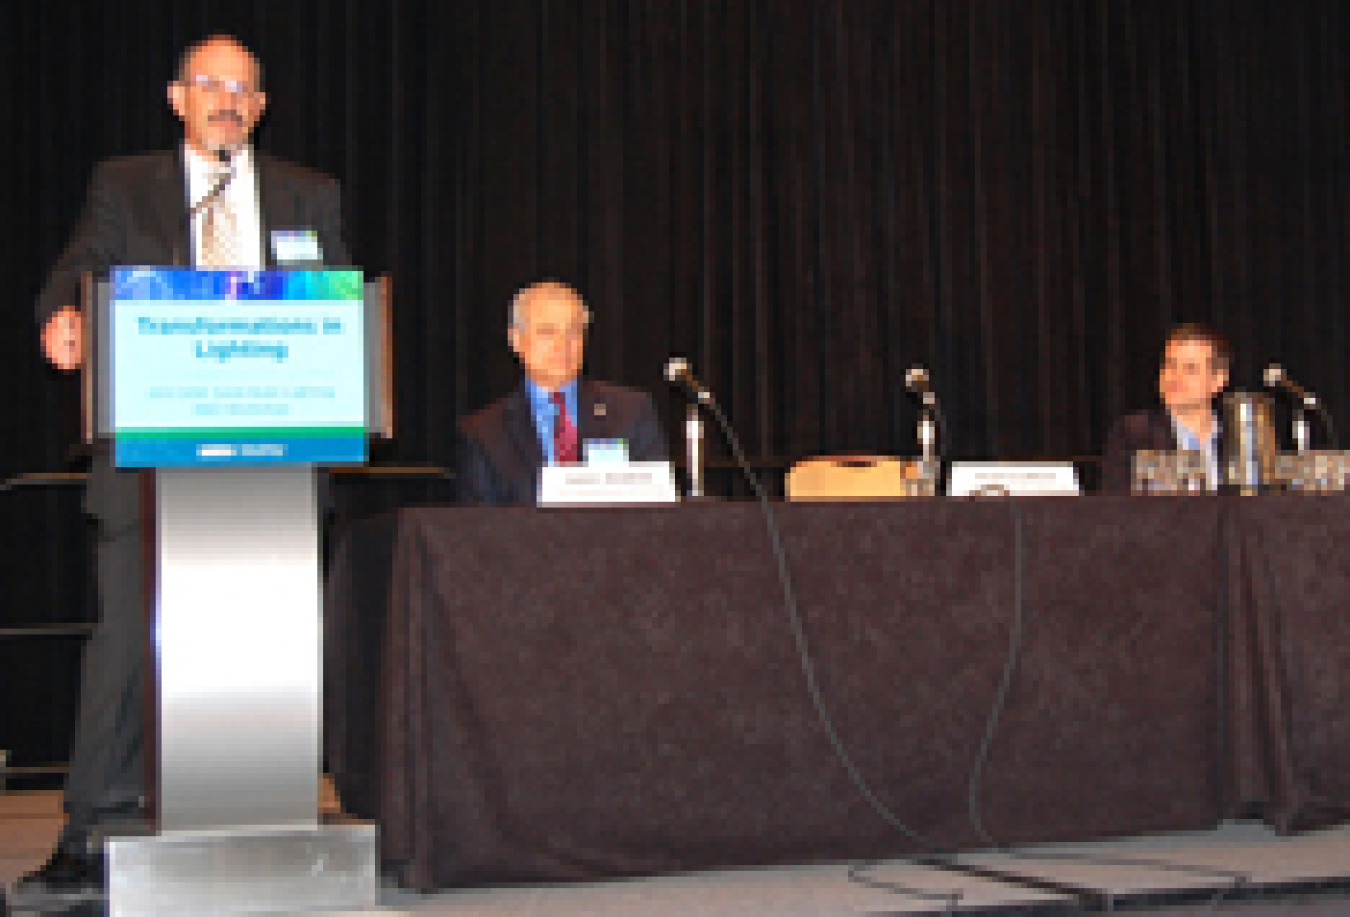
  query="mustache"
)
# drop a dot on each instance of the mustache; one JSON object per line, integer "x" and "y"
{"x": 226, "y": 115}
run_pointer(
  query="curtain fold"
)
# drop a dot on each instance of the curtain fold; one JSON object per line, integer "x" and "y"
{"x": 803, "y": 198}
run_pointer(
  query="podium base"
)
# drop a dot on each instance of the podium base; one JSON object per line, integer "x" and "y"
{"x": 238, "y": 871}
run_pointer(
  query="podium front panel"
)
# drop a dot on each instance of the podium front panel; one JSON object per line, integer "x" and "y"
{"x": 239, "y": 647}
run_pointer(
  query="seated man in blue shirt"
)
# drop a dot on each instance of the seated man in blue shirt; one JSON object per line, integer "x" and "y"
{"x": 1195, "y": 366}
{"x": 554, "y": 414}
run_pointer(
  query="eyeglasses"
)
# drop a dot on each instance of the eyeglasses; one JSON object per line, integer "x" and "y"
{"x": 214, "y": 86}
{"x": 551, "y": 333}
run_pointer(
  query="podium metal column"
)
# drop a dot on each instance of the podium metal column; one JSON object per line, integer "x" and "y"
{"x": 238, "y": 643}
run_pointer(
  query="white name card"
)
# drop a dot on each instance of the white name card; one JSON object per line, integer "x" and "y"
{"x": 1013, "y": 479}
{"x": 607, "y": 483}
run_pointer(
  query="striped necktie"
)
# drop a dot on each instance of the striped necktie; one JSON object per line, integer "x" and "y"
{"x": 220, "y": 231}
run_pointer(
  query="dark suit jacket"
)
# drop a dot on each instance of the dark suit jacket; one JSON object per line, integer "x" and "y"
{"x": 1151, "y": 429}
{"x": 500, "y": 454}
{"x": 136, "y": 213}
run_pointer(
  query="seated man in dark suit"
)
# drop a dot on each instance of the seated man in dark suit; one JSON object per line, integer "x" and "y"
{"x": 554, "y": 414}
{"x": 1194, "y": 370}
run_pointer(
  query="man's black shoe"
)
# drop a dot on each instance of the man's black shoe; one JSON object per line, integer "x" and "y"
{"x": 66, "y": 874}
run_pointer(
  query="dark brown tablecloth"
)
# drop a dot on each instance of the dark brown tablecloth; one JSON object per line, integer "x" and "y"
{"x": 520, "y": 694}
{"x": 1289, "y": 651}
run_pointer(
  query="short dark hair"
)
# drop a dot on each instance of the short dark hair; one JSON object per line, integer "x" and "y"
{"x": 180, "y": 73}
{"x": 1221, "y": 355}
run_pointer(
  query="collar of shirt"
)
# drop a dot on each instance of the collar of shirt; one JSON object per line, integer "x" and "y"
{"x": 541, "y": 409}
{"x": 241, "y": 193}
{"x": 1186, "y": 440}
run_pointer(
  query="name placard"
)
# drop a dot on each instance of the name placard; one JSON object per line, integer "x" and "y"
{"x": 1013, "y": 479}
{"x": 231, "y": 367}
{"x": 607, "y": 483}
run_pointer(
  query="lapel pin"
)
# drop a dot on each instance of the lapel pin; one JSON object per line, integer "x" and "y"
{"x": 600, "y": 410}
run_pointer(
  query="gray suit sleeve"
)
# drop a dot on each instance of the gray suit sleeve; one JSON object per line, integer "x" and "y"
{"x": 93, "y": 247}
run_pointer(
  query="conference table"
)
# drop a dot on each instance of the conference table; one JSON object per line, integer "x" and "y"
{"x": 520, "y": 694}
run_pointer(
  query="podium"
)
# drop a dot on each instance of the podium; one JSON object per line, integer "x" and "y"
{"x": 230, "y": 388}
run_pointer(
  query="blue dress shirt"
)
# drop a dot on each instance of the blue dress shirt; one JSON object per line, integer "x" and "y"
{"x": 545, "y": 419}
{"x": 1186, "y": 440}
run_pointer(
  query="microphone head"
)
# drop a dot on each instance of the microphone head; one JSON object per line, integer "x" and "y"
{"x": 677, "y": 369}
{"x": 223, "y": 154}
{"x": 916, "y": 378}
{"x": 1274, "y": 375}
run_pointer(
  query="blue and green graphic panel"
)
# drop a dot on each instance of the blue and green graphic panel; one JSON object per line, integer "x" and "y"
{"x": 230, "y": 367}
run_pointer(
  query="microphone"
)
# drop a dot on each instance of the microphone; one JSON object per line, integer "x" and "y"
{"x": 920, "y": 383}
{"x": 1275, "y": 377}
{"x": 679, "y": 372}
{"x": 917, "y": 381}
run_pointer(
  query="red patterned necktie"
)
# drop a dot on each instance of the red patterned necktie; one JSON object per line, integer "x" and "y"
{"x": 564, "y": 432}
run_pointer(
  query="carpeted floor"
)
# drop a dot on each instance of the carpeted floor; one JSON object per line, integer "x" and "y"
{"x": 1241, "y": 869}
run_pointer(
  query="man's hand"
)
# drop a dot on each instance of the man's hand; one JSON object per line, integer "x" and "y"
{"x": 63, "y": 339}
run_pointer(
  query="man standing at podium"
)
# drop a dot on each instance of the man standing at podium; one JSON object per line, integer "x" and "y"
{"x": 213, "y": 201}
{"x": 554, "y": 417}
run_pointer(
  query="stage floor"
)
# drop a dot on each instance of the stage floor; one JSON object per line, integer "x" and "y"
{"x": 1239, "y": 869}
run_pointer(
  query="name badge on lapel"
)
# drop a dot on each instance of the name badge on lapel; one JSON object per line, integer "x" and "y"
{"x": 296, "y": 246}
{"x": 604, "y": 450}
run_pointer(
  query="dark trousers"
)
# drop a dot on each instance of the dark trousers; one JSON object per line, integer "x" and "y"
{"x": 107, "y": 762}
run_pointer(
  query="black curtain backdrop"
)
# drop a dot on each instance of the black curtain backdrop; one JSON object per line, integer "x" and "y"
{"x": 805, "y": 198}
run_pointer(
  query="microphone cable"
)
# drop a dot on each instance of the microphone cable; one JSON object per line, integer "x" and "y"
{"x": 1236, "y": 879}
{"x": 1275, "y": 377}
{"x": 939, "y": 856}
{"x": 949, "y": 899}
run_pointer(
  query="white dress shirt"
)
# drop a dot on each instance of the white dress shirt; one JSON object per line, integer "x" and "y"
{"x": 242, "y": 196}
